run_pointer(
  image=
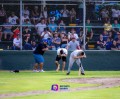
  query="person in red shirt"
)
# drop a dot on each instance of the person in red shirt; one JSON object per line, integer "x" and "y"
{"x": 16, "y": 31}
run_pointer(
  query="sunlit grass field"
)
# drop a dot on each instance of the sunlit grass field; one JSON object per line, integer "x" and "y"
{"x": 26, "y": 81}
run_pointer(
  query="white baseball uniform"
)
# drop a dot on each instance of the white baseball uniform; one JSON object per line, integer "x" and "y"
{"x": 64, "y": 51}
{"x": 78, "y": 61}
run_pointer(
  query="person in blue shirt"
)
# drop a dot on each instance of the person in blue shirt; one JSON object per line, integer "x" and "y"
{"x": 52, "y": 26}
{"x": 38, "y": 56}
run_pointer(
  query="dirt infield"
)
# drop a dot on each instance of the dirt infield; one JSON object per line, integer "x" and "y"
{"x": 100, "y": 84}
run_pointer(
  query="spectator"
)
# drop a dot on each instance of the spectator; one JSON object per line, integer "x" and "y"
{"x": 56, "y": 42}
{"x": 61, "y": 26}
{"x": 118, "y": 41}
{"x": 89, "y": 31}
{"x": 72, "y": 15}
{"x": 0, "y": 33}
{"x": 105, "y": 15}
{"x": 110, "y": 34}
{"x": 24, "y": 18}
{"x": 72, "y": 34}
{"x": 115, "y": 29}
{"x": 2, "y": 15}
{"x": 28, "y": 24}
{"x": 40, "y": 26}
{"x": 105, "y": 35}
{"x": 7, "y": 30}
{"x": 33, "y": 45}
{"x": 26, "y": 11}
{"x": 73, "y": 45}
{"x": 90, "y": 9}
{"x": 108, "y": 26}
{"x": 16, "y": 31}
{"x": 27, "y": 35}
{"x": 80, "y": 9}
{"x": 64, "y": 41}
{"x": 114, "y": 45}
{"x": 80, "y": 40}
{"x": 108, "y": 44}
{"x": 52, "y": 27}
{"x": 65, "y": 15}
{"x": 44, "y": 13}
{"x": 101, "y": 43}
{"x": 13, "y": 19}
{"x": 16, "y": 43}
{"x": 35, "y": 14}
{"x": 115, "y": 13}
{"x": 46, "y": 34}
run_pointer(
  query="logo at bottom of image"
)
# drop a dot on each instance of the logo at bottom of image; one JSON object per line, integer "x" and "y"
{"x": 56, "y": 87}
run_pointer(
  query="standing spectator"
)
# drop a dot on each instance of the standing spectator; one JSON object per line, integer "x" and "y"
{"x": 89, "y": 31}
{"x": 13, "y": 19}
{"x": 61, "y": 54}
{"x": 16, "y": 43}
{"x": 2, "y": 15}
{"x": 44, "y": 13}
{"x": 72, "y": 34}
{"x": 7, "y": 30}
{"x": 65, "y": 15}
{"x": 73, "y": 45}
{"x": 52, "y": 27}
{"x": 26, "y": 11}
{"x": 56, "y": 41}
{"x": 38, "y": 56}
{"x": 72, "y": 15}
{"x": 115, "y": 13}
{"x": 40, "y": 26}
{"x": 101, "y": 43}
{"x": 35, "y": 14}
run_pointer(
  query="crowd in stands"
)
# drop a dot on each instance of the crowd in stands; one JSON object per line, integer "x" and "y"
{"x": 38, "y": 26}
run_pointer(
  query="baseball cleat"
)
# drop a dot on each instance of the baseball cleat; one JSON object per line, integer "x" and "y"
{"x": 68, "y": 73}
{"x": 82, "y": 74}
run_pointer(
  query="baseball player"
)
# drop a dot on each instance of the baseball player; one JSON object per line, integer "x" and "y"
{"x": 61, "y": 54}
{"x": 76, "y": 55}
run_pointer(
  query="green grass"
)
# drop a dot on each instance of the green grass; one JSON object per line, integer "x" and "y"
{"x": 29, "y": 81}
